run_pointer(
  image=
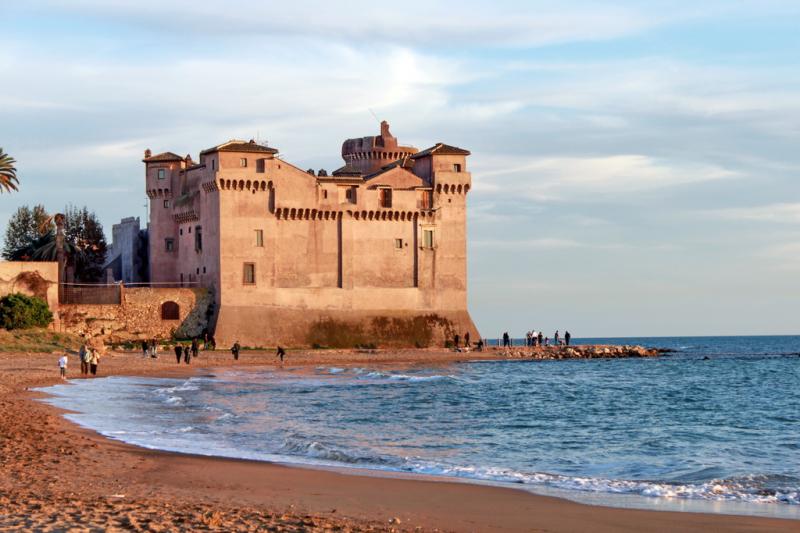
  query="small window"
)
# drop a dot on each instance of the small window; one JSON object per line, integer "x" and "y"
{"x": 259, "y": 237}
{"x": 427, "y": 238}
{"x": 204, "y": 270}
{"x": 426, "y": 200}
{"x": 213, "y": 164}
{"x": 181, "y": 231}
{"x": 171, "y": 310}
{"x": 386, "y": 197}
{"x": 198, "y": 238}
{"x": 398, "y": 243}
{"x": 166, "y": 203}
{"x": 350, "y": 195}
{"x": 243, "y": 162}
{"x": 457, "y": 167}
{"x": 162, "y": 173}
{"x": 324, "y": 195}
{"x": 198, "y": 270}
{"x": 169, "y": 245}
{"x": 249, "y": 274}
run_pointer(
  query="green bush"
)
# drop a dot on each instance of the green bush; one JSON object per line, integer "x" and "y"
{"x": 19, "y": 311}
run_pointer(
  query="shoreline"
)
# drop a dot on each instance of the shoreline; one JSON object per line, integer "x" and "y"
{"x": 363, "y": 501}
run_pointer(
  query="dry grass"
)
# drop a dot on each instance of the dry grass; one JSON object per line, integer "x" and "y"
{"x": 37, "y": 340}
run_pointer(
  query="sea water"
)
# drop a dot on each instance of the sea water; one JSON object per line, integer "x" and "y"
{"x": 718, "y": 420}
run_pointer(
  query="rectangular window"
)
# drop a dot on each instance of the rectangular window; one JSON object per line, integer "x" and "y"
{"x": 213, "y": 164}
{"x": 259, "y": 237}
{"x": 181, "y": 231}
{"x": 243, "y": 162}
{"x": 198, "y": 239}
{"x": 427, "y": 238}
{"x": 324, "y": 195}
{"x": 350, "y": 195}
{"x": 386, "y": 197}
{"x": 166, "y": 203}
{"x": 169, "y": 245}
{"x": 457, "y": 167}
{"x": 249, "y": 274}
{"x": 204, "y": 270}
{"x": 260, "y": 165}
{"x": 162, "y": 173}
{"x": 398, "y": 243}
{"x": 426, "y": 200}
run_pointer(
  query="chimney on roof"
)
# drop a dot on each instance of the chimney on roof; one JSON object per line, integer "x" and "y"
{"x": 188, "y": 159}
{"x": 385, "y": 129}
{"x": 148, "y": 153}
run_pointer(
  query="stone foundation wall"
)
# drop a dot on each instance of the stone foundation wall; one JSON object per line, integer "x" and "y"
{"x": 266, "y": 327}
{"x": 139, "y": 316}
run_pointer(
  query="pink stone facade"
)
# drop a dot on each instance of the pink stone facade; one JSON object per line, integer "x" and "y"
{"x": 283, "y": 249}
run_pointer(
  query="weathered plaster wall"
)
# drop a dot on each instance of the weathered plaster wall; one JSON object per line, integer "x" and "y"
{"x": 32, "y": 278}
{"x": 139, "y": 315}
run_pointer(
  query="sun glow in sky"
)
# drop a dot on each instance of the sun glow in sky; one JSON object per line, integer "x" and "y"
{"x": 635, "y": 164}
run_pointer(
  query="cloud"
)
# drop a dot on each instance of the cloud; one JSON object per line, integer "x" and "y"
{"x": 559, "y": 178}
{"x": 782, "y": 213}
{"x": 448, "y": 23}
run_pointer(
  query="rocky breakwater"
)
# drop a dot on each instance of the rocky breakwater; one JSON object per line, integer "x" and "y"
{"x": 579, "y": 352}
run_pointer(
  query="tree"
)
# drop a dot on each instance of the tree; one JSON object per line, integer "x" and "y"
{"x": 19, "y": 311}
{"x": 8, "y": 172}
{"x": 83, "y": 233}
{"x": 24, "y": 228}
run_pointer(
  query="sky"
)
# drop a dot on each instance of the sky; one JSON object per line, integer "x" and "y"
{"x": 635, "y": 165}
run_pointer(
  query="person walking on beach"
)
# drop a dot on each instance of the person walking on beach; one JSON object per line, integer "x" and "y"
{"x": 187, "y": 355}
{"x": 456, "y": 340}
{"x": 205, "y": 339}
{"x": 235, "y": 350}
{"x": 480, "y": 345}
{"x": 153, "y": 348}
{"x": 62, "y": 366}
{"x": 567, "y": 337}
{"x": 94, "y": 361}
{"x": 466, "y": 339}
{"x": 555, "y": 338}
{"x": 84, "y": 359}
{"x": 195, "y": 347}
{"x": 145, "y": 348}
{"x": 506, "y": 340}
{"x": 540, "y": 338}
{"x": 178, "y": 353}
{"x": 281, "y": 353}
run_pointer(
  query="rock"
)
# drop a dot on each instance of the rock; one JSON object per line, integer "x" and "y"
{"x": 395, "y": 520}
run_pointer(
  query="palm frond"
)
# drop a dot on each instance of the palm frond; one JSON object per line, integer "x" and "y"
{"x": 8, "y": 172}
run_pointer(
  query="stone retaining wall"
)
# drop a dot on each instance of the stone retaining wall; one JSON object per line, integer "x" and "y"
{"x": 139, "y": 316}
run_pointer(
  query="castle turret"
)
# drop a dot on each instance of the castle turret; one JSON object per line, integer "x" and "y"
{"x": 370, "y": 154}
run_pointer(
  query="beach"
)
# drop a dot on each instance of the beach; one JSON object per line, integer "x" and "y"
{"x": 56, "y": 475}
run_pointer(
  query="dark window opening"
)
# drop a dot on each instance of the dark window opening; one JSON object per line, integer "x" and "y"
{"x": 198, "y": 238}
{"x": 249, "y": 274}
{"x": 386, "y": 197}
{"x": 169, "y": 245}
{"x": 457, "y": 167}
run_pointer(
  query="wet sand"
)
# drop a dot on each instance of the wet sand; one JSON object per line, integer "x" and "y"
{"x": 55, "y": 475}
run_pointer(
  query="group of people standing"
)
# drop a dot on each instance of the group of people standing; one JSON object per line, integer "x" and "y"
{"x": 89, "y": 358}
{"x": 535, "y": 338}
{"x": 186, "y": 352}
{"x": 467, "y": 343}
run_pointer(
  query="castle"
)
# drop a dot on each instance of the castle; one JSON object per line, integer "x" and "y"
{"x": 373, "y": 253}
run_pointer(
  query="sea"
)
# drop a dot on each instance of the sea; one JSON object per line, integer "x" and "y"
{"x": 712, "y": 425}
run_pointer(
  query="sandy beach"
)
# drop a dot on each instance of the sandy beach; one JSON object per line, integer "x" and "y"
{"x": 55, "y": 476}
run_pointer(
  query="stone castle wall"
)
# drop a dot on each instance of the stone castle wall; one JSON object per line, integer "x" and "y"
{"x": 139, "y": 316}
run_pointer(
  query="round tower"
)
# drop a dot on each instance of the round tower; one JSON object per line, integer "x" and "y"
{"x": 370, "y": 154}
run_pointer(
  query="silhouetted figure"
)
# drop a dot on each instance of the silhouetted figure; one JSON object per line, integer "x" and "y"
{"x": 466, "y": 339}
{"x": 480, "y": 345}
{"x": 178, "y": 353}
{"x": 145, "y": 347}
{"x": 540, "y": 338}
{"x": 187, "y": 355}
{"x": 567, "y": 337}
{"x": 280, "y": 353}
{"x": 235, "y": 350}
{"x": 195, "y": 347}
{"x": 456, "y": 340}
{"x": 555, "y": 338}
{"x": 506, "y": 340}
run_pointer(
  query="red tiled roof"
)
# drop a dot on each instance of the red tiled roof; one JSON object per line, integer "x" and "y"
{"x": 166, "y": 156}
{"x": 441, "y": 149}
{"x": 241, "y": 146}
